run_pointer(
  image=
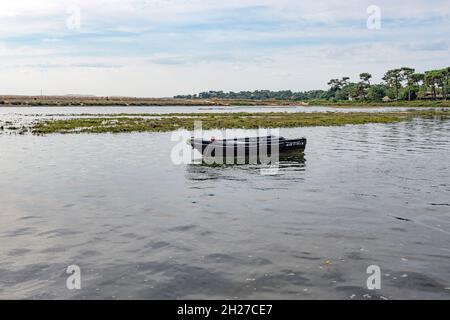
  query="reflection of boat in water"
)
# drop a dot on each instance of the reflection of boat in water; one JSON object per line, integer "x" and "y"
{"x": 290, "y": 163}
{"x": 248, "y": 150}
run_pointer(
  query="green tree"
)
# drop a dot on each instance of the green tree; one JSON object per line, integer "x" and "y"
{"x": 377, "y": 92}
{"x": 364, "y": 84}
{"x": 336, "y": 85}
{"x": 433, "y": 79}
{"x": 349, "y": 91}
{"x": 394, "y": 79}
{"x": 417, "y": 79}
{"x": 441, "y": 81}
{"x": 407, "y": 75}
{"x": 365, "y": 77}
{"x": 446, "y": 80}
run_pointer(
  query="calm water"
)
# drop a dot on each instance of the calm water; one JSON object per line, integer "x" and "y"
{"x": 180, "y": 109}
{"x": 142, "y": 227}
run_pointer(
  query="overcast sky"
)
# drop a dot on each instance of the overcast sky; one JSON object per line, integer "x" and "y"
{"x": 167, "y": 47}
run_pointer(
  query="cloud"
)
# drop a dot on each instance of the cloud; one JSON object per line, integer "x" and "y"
{"x": 439, "y": 45}
{"x": 230, "y": 44}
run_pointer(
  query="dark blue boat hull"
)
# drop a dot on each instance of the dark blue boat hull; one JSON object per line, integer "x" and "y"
{"x": 248, "y": 147}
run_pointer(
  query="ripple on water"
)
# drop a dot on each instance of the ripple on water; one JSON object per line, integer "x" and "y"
{"x": 142, "y": 227}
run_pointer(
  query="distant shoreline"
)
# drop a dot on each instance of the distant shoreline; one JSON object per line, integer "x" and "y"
{"x": 88, "y": 101}
{"x": 70, "y": 101}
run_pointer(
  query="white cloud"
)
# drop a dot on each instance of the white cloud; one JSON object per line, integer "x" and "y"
{"x": 165, "y": 47}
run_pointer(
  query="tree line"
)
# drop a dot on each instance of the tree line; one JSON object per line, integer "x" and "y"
{"x": 398, "y": 84}
{"x": 256, "y": 95}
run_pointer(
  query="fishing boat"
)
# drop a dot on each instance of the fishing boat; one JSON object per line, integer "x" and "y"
{"x": 248, "y": 147}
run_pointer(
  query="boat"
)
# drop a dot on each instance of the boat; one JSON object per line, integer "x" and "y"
{"x": 258, "y": 147}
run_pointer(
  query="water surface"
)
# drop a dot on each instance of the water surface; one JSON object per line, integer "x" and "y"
{"x": 142, "y": 227}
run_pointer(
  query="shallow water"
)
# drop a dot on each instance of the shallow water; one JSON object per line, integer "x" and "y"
{"x": 41, "y": 111}
{"x": 142, "y": 227}
{"x": 15, "y": 120}
{"x": 25, "y": 115}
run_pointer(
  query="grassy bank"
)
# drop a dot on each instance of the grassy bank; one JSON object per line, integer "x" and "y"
{"x": 225, "y": 121}
{"x": 76, "y": 101}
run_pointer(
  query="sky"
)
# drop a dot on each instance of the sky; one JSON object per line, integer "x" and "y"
{"x": 161, "y": 48}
